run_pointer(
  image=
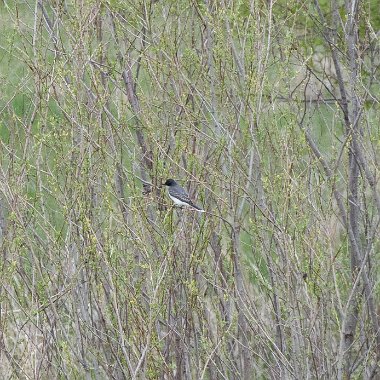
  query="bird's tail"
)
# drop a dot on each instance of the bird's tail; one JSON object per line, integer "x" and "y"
{"x": 197, "y": 208}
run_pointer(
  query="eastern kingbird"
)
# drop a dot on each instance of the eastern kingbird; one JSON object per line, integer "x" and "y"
{"x": 179, "y": 195}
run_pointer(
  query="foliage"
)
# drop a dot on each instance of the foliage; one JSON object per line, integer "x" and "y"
{"x": 266, "y": 112}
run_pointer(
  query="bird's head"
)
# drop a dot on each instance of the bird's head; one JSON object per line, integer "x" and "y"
{"x": 169, "y": 182}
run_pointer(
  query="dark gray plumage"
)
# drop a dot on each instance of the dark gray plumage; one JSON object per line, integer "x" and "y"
{"x": 179, "y": 195}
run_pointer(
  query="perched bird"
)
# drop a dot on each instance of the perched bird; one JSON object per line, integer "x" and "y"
{"x": 179, "y": 195}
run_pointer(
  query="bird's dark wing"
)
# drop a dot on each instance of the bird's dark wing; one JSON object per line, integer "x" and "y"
{"x": 180, "y": 193}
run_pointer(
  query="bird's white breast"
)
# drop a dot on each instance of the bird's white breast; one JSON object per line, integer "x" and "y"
{"x": 177, "y": 201}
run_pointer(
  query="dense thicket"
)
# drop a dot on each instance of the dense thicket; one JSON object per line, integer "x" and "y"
{"x": 267, "y": 112}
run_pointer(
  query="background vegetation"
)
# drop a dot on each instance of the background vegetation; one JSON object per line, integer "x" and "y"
{"x": 267, "y": 112}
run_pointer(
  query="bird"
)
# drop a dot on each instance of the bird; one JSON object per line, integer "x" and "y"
{"x": 179, "y": 195}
